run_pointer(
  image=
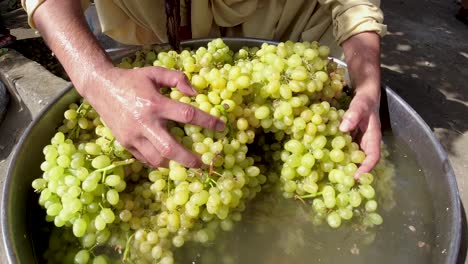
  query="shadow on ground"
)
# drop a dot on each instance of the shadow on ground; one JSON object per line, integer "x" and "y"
{"x": 426, "y": 63}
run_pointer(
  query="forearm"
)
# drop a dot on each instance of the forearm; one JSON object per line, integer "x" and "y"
{"x": 68, "y": 35}
{"x": 362, "y": 54}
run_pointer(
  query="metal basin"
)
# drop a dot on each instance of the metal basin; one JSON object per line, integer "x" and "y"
{"x": 22, "y": 218}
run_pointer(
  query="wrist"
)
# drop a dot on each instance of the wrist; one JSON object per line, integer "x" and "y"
{"x": 370, "y": 94}
{"x": 88, "y": 81}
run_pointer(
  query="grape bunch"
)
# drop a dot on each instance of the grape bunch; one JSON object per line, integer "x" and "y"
{"x": 282, "y": 105}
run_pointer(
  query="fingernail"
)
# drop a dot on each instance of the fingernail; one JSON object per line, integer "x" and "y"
{"x": 345, "y": 125}
{"x": 356, "y": 176}
{"x": 220, "y": 126}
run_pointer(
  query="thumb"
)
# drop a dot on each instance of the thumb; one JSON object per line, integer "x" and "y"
{"x": 351, "y": 119}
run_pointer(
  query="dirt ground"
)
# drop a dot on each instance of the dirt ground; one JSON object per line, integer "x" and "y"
{"x": 425, "y": 60}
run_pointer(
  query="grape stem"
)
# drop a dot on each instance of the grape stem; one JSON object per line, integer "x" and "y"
{"x": 307, "y": 196}
{"x": 116, "y": 164}
{"x": 127, "y": 248}
{"x": 213, "y": 181}
{"x": 297, "y": 197}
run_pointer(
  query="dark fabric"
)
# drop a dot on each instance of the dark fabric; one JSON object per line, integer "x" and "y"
{"x": 4, "y": 99}
{"x": 3, "y": 29}
{"x": 462, "y": 15}
{"x": 173, "y": 22}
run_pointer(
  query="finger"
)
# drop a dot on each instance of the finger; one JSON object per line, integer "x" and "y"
{"x": 371, "y": 146}
{"x": 151, "y": 154}
{"x": 368, "y": 164}
{"x": 171, "y": 78}
{"x": 189, "y": 114}
{"x": 371, "y": 133}
{"x": 169, "y": 148}
{"x": 352, "y": 117}
{"x": 357, "y": 110}
{"x": 137, "y": 155}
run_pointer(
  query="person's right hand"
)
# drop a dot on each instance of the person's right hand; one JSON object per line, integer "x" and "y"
{"x": 131, "y": 105}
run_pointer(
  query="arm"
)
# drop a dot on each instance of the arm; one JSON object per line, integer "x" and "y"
{"x": 362, "y": 54}
{"x": 128, "y": 100}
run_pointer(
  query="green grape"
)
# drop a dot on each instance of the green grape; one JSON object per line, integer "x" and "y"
{"x": 262, "y": 112}
{"x": 101, "y": 259}
{"x": 342, "y": 200}
{"x": 367, "y": 191}
{"x": 79, "y": 227}
{"x": 99, "y": 223}
{"x": 82, "y": 257}
{"x": 100, "y": 162}
{"x": 280, "y": 135}
{"x": 39, "y": 184}
{"x": 54, "y": 209}
{"x": 366, "y": 179}
{"x": 319, "y": 206}
{"x": 70, "y": 114}
{"x": 92, "y": 149}
{"x": 345, "y": 213}
{"x": 375, "y": 218}
{"x": 354, "y": 198}
{"x": 181, "y": 197}
{"x": 371, "y": 206}
{"x": 112, "y": 197}
{"x": 113, "y": 180}
{"x": 336, "y": 155}
{"x": 357, "y": 156}
{"x": 88, "y": 240}
{"x": 178, "y": 241}
{"x": 334, "y": 220}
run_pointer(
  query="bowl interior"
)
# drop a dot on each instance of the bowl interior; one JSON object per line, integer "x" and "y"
{"x": 25, "y": 231}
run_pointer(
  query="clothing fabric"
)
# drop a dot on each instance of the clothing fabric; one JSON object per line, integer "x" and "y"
{"x": 144, "y": 21}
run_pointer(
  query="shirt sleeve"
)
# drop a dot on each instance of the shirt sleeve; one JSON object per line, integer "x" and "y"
{"x": 351, "y": 17}
{"x": 30, "y": 7}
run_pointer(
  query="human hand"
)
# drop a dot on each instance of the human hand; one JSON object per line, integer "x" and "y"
{"x": 363, "y": 119}
{"x": 131, "y": 105}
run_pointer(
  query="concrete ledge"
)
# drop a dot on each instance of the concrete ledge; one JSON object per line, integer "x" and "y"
{"x": 31, "y": 88}
{"x": 29, "y": 82}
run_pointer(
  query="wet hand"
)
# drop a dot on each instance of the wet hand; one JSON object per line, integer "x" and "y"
{"x": 132, "y": 106}
{"x": 362, "y": 119}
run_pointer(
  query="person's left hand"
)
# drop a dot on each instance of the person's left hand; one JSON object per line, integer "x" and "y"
{"x": 363, "y": 119}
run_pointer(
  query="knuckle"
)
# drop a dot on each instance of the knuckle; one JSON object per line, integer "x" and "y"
{"x": 188, "y": 113}
{"x": 192, "y": 163}
{"x": 154, "y": 101}
{"x": 179, "y": 77}
{"x": 166, "y": 150}
{"x": 138, "y": 155}
{"x": 212, "y": 122}
{"x": 127, "y": 145}
{"x": 156, "y": 161}
{"x": 352, "y": 118}
{"x": 127, "y": 142}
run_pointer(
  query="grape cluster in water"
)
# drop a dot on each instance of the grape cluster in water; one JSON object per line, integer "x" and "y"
{"x": 282, "y": 105}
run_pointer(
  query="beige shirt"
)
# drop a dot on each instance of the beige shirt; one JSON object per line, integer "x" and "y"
{"x": 144, "y": 21}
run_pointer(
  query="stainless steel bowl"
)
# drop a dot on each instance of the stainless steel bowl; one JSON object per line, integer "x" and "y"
{"x": 22, "y": 217}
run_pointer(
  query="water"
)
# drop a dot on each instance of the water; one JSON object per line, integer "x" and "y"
{"x": 275, "y": 230}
